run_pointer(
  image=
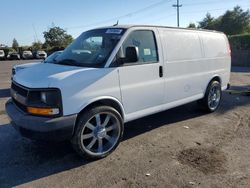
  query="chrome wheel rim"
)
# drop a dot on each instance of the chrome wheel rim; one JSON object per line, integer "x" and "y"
{"x": 214, "y": 97}
{"x": 100, "y": 134}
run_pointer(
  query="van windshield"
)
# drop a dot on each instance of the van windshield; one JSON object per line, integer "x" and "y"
{"x": 91, "y": 48}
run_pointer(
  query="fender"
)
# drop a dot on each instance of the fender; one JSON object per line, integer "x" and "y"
{"x": 104, "y": 98}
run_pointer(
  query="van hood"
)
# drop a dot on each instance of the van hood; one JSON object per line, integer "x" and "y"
{"x": 44, "y": 75}
{"x": 26, "y": 65}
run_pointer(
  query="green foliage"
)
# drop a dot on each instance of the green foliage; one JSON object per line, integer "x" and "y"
{"x": 192, "y": 25}
{"x": 240, "y": 42}
{"x": 56, "y": 37}
{"x": 15, "y": 44}
{"x": 236, "y": 21}
{"x": 37, "y": 45}
{"x": 208, "y": 22}
{"x": 7, "y": 50}
{"x": 11, "y": 49}
{"x": 26, "y": 48}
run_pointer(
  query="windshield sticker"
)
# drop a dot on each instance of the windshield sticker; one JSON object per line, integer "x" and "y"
{"x": 147, "y": 51}
{"x": 114, "y": 31}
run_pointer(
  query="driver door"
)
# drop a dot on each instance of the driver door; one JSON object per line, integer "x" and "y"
{"x": 142, "y": 82}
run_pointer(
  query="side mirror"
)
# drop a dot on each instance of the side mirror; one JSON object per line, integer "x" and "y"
{"x": 131, "y": 54}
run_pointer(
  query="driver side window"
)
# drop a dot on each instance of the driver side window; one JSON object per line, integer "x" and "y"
{"x": 145, "y": 41}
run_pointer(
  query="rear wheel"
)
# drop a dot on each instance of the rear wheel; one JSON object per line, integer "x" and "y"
{"x": 98, "y": 132}
{"x": 212, "y": 98}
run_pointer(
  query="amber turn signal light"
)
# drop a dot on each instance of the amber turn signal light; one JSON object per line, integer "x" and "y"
{"x": 43, "y": 111}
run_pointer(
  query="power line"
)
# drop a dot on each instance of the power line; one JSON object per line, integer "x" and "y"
{"x": 145, "y": 9}
{"x": 178, "y": 12}
{"x": 184, "y": 12}
{"x": 218, "y": 9}
{"x": 122, "y": 16}
{"x": 208, "y": 2}
{"x": 189, "y": 12}
{"x": 34, "y": 28}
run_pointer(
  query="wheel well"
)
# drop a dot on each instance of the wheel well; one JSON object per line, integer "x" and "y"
{"x": 216, "y": 78}
{"x": 103, "y": 102}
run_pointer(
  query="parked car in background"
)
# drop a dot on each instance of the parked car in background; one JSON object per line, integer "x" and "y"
{"x": 40, "y": 54}
{"x": 13, "y": 56}
{"x": 52, "y": 56}
{"x": 2, "y": 55}
{"x": 27, "y": 55}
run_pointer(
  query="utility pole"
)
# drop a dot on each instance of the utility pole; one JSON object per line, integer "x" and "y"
{"x": 178, "y": 12}
{"x": 34, "y": 28}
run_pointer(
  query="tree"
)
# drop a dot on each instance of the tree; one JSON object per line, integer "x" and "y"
{"x": 208, "y": 22}
{"x": 56, "y": 37}
{"x": 235, "y": 22}
{"x": 37, "y": 45}
{"x": 15, "y": 44}
{"x": 191, "y": 25}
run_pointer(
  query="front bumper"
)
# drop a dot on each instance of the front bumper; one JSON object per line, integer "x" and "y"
{"x": 40, "y": 128}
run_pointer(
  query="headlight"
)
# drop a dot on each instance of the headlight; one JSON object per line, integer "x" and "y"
{"x": 50, "y": 97}
{"x": 16, "y": 69}
{"x": 44, "y": 97}
{"x": 46, "y": 102}
{"x": 13, "y": 71}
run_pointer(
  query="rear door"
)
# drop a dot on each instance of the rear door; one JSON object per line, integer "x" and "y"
{"x": 142, "y": 83}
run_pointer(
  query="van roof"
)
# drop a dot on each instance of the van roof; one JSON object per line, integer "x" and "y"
{"x": 169, "y": 27}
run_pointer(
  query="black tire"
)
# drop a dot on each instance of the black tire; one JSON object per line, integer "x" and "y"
{"x": 205, "y": 103}
{"x": 82, "y": 125}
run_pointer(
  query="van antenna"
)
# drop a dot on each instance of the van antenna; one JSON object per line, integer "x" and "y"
{"x": 116, "y": 23}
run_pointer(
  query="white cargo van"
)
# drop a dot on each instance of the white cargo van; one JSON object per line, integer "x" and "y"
{"x": 112, "y": 75}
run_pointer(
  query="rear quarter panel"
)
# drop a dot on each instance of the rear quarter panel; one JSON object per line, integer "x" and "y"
{"x": 217, "y": 59}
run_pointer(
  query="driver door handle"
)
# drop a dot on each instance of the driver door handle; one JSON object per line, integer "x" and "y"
{"x": 161, "y": 71}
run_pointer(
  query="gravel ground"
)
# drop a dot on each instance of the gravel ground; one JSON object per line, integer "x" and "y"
{"x": 181, "y": 147}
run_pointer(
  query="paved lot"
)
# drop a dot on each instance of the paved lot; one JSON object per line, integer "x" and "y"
{"x": 181, "y": 147}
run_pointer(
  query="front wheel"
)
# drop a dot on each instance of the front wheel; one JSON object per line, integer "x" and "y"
{"x": 98, "y": 132}
{"x": 212, "y": 98}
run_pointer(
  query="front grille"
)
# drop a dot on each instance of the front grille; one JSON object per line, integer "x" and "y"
{"x": 19, "y": 95}
{"x": 19, "y": 105}
{"x": 19, "y": 89}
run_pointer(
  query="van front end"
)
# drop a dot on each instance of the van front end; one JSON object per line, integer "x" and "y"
{"x": 37, "y": 113}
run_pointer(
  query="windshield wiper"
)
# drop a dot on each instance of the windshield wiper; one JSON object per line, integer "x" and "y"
{"x": 50, "y": 61}
{"x": 70, "y": 62}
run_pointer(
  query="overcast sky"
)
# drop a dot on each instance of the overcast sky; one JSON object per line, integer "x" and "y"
{"x": 26, "y": 20}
